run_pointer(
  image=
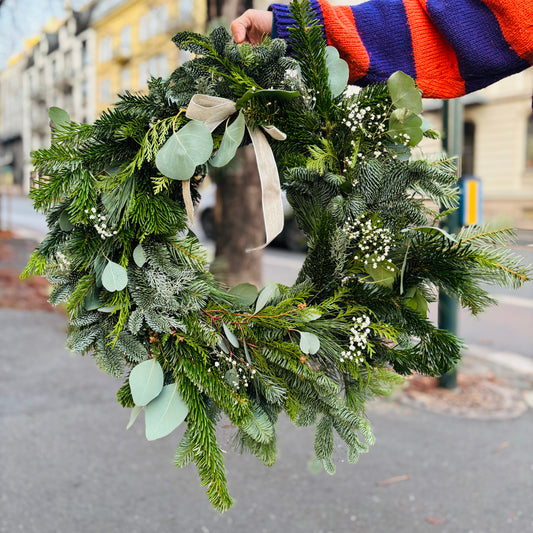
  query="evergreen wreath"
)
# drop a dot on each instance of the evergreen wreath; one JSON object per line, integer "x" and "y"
{"x": 136, "y": 283}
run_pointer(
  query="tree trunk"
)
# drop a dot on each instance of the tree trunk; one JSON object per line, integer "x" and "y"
{"x": 238, "y": 215}
{"x": 239, "y": 222}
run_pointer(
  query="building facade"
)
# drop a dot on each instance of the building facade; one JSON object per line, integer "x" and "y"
{"x": 498, "y": 146}
{"x": 133, "y": 42}
{"x": 59, "y": 72}
{"x": 11, "y": 107}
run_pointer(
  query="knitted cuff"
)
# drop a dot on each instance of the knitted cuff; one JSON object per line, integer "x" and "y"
{"x": 283, "y": 20}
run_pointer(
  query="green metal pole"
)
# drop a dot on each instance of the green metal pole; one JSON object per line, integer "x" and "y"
{"x": 452, "y": 115}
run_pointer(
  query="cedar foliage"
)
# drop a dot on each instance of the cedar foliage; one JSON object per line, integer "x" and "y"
{"x": 352, "y": 187}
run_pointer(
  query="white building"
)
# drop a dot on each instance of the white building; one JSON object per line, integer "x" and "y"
{"x": 11, "y": 105}
{"x": 60, "y": 72}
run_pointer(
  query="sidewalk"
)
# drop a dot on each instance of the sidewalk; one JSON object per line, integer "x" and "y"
{"x": 69, "y": 465}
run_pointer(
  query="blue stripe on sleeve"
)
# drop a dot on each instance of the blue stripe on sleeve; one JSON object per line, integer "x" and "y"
{"x": 472, "y": 29}
{"x": 385, "y": 33}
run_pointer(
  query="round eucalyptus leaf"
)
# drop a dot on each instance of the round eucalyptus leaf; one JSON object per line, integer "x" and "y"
{"x": 246, "y": 293}
{"x": 184, "y": 151}
{"x": 64, "y": 222}
{"x": 165, "y": 413}
{"x": 309, "y": 343}
{"x": 382, "y": 274}
{"x": 403, "y": 122}
{"x": 139, "y": 255}
{"x": 146, "y": 381}
{"x": 403, "y": 92}
{"x": 232, "y": 377}
{"x": 58, "y": 115}
{"x": 114, "y": 277}
{"x": 231, "y": 140}
{"x": 338, "y": 70}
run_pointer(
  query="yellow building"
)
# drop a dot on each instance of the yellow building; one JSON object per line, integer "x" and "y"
{"x": 133, "y": 42}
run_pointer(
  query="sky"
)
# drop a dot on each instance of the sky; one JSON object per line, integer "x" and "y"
{"x": 21, "y": 19}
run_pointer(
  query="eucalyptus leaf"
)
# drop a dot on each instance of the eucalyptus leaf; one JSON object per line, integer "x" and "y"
{"x": 108, "y": 309}
{"x": 266, "y": 294}
{"x": 222, "y": 345}
{"x": 64, "y": 223}
{"x": 436, "y": 231}
{"x": 232, "y": 377}
{"x": 247, "y": 353}
{"x": 231, "y": 140}
{"x": 382, "y": 273}
{"x": 402, "y": 152}
{"x": 58, "y": 115}
{"x": 246, "y": 293}
{"x": 415, "y": 300}
{"x": 404, "y": 93}
{"x": 135, "y": 412}
{"x": 270, "y": 94}
{"x": 114, "y": 277}
{"x": 338, "y": 70}
{"x": 92, "y": 299}
{"x": 139, "y": 255}
{"x": 232, "y": 338}
{"x": 165, "y": 413}
{"x": 309, "y": 343}
{"x": 146, "y": 381}
{"x": 184, "y": 151}
{"x": 402, "y": 121}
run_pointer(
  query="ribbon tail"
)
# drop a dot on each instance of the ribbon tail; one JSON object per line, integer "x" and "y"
{"x": 270, "y": 188}
{"x": 187, "y": 198}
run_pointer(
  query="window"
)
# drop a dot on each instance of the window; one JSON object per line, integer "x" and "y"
{"x": 143, "y": 28}
{"x": 68, "y": 63}
{"x": 529, "y": 144}
{"x": 125, "y": 41}
{"x": 105, "y": 91}
{"x": 158, "y": 66}
{"x": 106, "y": 49}
{"x": 84, "y": 54}
{"x": 163, "y": 18}
{"x": 153, "y": 22}
{"x": 125, "y": 79}
{"x": 84, "y": 93}
{"x": 143, "y": 74}
{"x": 186, "y": 10}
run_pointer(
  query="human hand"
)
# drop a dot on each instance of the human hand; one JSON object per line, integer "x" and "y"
{"x": 252, "y": 26}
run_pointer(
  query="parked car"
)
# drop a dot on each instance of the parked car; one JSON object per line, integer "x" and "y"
{"x": 291, "y": 237}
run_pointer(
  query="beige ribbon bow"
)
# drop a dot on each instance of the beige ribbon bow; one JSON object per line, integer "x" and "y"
{"x": 213, "y": 110}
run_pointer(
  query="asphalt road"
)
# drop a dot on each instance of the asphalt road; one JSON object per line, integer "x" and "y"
{"x": 68, "y": 465}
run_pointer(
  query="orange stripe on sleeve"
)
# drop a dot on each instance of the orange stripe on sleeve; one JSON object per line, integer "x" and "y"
{"x": 516, "y": 22}
{"x": 437, "y": 68}
{"x": 342, "y": 33}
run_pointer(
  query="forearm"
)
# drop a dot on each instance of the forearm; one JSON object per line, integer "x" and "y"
{"x": 451, "y": 47}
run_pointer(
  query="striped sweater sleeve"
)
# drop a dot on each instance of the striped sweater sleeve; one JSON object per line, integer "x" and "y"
{"x": 450, "y": 47}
